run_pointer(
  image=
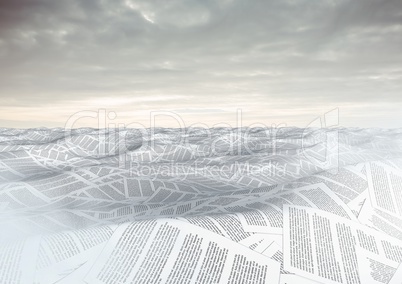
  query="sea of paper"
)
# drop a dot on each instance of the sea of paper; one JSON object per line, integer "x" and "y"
{"x": 197, "y": 205}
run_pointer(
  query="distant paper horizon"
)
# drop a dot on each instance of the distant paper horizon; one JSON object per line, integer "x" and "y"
{"x": 278, "y": 62}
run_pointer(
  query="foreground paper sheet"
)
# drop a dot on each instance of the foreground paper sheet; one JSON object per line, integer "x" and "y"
{"x": 322, "y": 246}
{"x": 18, "y": 260}
{"x": 265, "y": 213}
{"x": 168, "y": 251}
{"x": 397, "y": 278}
{"x": 375, "y": 269}
{"x": 385, "y": 187}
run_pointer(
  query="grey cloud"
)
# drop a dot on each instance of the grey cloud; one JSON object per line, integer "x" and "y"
{"x": 304, "y": 51}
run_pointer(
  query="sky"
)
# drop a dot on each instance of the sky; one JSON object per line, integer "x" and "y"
{"x": 173, "y": 63}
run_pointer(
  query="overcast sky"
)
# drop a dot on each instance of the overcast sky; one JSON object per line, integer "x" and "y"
{"x": 280, "y": 62}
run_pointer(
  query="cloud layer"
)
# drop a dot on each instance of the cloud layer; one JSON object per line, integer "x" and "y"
{"x": 279, "y": 61}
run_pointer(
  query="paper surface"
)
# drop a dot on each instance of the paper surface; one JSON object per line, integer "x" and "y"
{"x": 322, "y": 246}
{"x": 82, "y": 207}
{"x": 185, "y": 253}
{"x": 265, "y": 214}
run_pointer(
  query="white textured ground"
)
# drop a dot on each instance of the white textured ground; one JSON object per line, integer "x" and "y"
{"x": 68, "y": 197}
